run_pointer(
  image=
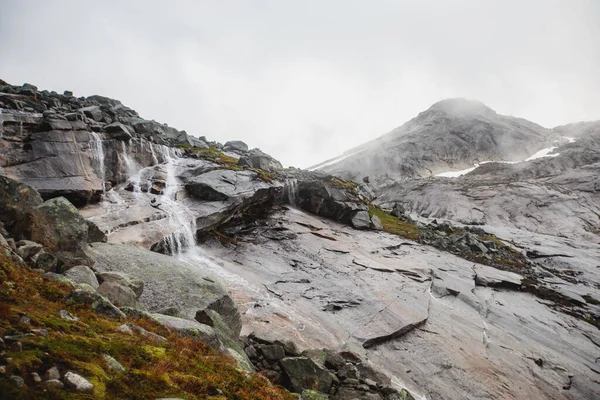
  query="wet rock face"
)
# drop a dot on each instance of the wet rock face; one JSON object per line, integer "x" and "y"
{"x": 67, "y": 146}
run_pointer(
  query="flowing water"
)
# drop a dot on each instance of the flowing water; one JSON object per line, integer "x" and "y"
{"x": 97, "y": 150}
{"x": 1, "y": 125}
{"x": 290, "y": 189}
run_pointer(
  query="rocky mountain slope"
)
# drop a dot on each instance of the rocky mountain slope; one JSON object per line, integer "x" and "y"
{"x": 305, "y": 277}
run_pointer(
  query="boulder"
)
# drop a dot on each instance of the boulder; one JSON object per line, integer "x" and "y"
{"x": 376, "y": 223}
{"x": 95, "y": 234}
{"x": 188, "y": 328}
{"x": 236, "y": 145}
{"x": 92, "y": 112}
{"x": 16, "y": 200}
{"x": 52, "y": 384}
{"x": 46, "y": 262}
{"x": 118, "y": 131}
{"x": 78, "y": 383}
{"x": 56, "y": 224}
{"x": 113, "y": 364}
{"x": 27, "y": 250}
{"x": 85, "y": 294}
{"x": 167, "y": 281}
{"x": 272, "y": 352}
{"x": 318, "y": 197}
{"x": 361, "y": 220}
{"x": 303, "y": 373}
{"x": 118, "y": 294}
{"x": 224, "y": 184}
{"x": 82, "y": 274}
{"x": 135, "y": 284}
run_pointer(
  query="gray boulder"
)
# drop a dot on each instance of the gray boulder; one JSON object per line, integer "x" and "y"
{"x": 27, "y": 250}
{"x": 92, "y": 112}
{"x": 167, "y": 281}
{"x": 46, "y": 262}
{"x": 236, "y": 145}
{"x": 16, "y": 200}
{"x": 82, "y": 274}
{"x": 85, "y": 294}
{"x": 188, "y": 328}
{"x": 135, "y": 284}
{"x": 78, "y": 383}
{"x": 118, "y": 294}
{"x": 376, "y": 223}
{"x": 361, "y": 220}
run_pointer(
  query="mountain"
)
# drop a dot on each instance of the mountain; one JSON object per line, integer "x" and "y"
{"x": 452, "y": 134}
{"x": 137, "y": 260}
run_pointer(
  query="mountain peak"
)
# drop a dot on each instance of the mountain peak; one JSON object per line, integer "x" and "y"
{"x": 461, "y": 107}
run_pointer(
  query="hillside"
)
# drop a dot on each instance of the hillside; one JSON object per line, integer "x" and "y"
{"x": 188, "y": 261}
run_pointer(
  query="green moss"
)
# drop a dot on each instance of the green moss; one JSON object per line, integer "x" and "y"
{"x": 590, "y": 300}
{"x": 182, "y": 367}
{"x": 393, "y": 225}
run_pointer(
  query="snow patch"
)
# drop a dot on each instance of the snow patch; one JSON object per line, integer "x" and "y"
{"x": 547, "y": 152}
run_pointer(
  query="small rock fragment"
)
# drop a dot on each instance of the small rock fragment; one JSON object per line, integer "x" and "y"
{"x": 78, "y": 383}
{"x": 36, "y": 377}
{"x": 52, "y": 374}
{"x": 53, "y": 383}
{"x": 16, "y": 381}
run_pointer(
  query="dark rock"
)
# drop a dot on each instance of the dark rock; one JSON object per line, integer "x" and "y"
{"x": 95, "y": 234}
{"x": 303, "y": 373}
{"x": 16, "y": 381}
{"x": 118, "y": 131}
{"x": 16, "y": 200}
{"x": 46, "y": 262}
{"x": 27, "y": 250}
{"x": 272, "y": 352}
{"x": 251, "y": 352}
{"x": 53, "y": 384}
{"x": 92, "y": 112}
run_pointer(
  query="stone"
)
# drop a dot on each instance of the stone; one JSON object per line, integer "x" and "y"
{"x": 16, "y": 347}
{"x": 27, "y": 249}
{"x": 135, "y": 284}
{"x": 125, "y": 328}
{"x": 272, "y": 352}
{"x": 77, "y": 383}
{"x": 2, "y": 344}
{"x": 35, "y": 377}
{"x": 251, "y": 351}
{"x": 56, "y": 224}
{"x": 95, "y": 234}
{"x": 82, "y": 274}
{"x": 147, "y": 334}
{"x": 118, "y": 131}
{"x": 85, "y": 294}
{"x": 313, "y": 395}
{"x": 168, "y": 282}
{"x": 46, "y": 262}
{"x": 52, "y": 276}
{"x": 118, "y": 294}
{"x": 53, "y": 384}
{"x": 16, "y": 200}
{"x": 113, "y": 364}
{"x": 376, "y": 223}
{"x": 348, "y": 371}
{"x": 303, "y": 373}
{"x": 368, "y": 371}
{"x": 492, "y": 277}
{"x": 2, "y": 369}
{"x": 92, "y": 112}
{"x": 236, "y": 145}
{"x": 361, "y": 220}
{"x": 64, "y": 314}
{"x": 16, "y": 381}
{"x": 189, "y": 328}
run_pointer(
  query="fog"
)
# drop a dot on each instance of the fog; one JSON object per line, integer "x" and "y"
{"x": 305, "y": 81}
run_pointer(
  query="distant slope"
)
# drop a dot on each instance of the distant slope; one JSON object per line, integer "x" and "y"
{"x": 452, "y": 134}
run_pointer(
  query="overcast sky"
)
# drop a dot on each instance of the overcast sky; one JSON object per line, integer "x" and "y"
{"x": 306, "y": 80}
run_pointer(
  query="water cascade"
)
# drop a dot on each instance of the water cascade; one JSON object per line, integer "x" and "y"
{"x": 179, "y": 218}
{"x": 290, "y": 189}
{"x": 97, "y": 150}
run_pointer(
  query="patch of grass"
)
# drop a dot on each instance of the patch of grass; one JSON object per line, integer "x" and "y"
{"x": 590, "y": 300}
{"x": 264, "y": 175}
{"x": 182, "y": 367}
{"x": 393, "y": 225}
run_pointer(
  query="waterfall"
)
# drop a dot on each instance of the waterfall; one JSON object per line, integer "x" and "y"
{"x": 97, "y": 150}
{"x": 185, "y": 237}
{"x": 1, "y": 125}
{"x": 154, "y": 158}
{"x": 290, "y": 189}
{"x": 133, "y": 170}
